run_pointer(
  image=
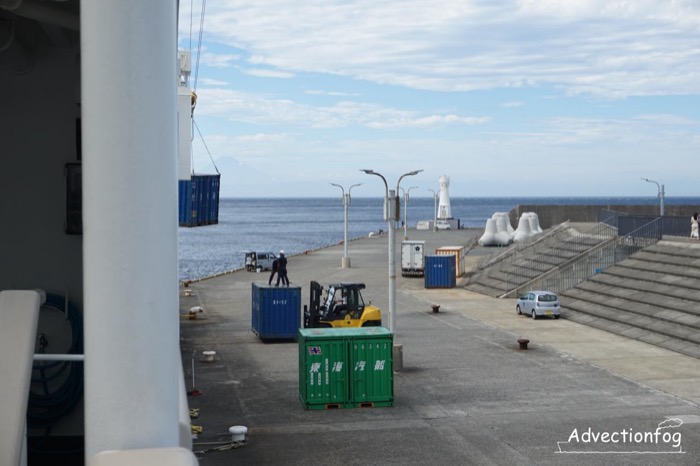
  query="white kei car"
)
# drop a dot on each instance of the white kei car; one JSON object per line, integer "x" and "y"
{"x": 538, "y": 303}
{"x": 443, "y": 225}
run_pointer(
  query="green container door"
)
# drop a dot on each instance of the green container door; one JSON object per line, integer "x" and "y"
{"x": 323, "y": 371}
{"x": 372, "y": 378}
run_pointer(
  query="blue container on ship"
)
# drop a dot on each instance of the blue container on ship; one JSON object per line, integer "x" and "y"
{"x": 198, "y": 203}
{"x": 440, "y": 271}
{"x": 276, "y": 313}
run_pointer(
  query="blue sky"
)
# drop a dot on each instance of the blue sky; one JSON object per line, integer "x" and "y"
{"x": 507, "y": 97}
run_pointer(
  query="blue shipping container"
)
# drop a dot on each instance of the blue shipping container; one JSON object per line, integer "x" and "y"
{"x": 198, "y": 200}
{"x": 276, "y": 311}
{"x": 440, "y": 271}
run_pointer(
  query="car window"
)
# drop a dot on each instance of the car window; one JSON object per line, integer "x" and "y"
{"x": 547, "y": 298}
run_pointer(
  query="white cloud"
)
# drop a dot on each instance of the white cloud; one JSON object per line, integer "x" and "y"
{"x": 331, "y": 93}
{"x": 212, "y": 82}
{"x": 671, "y": 120}
{"x": 432, "y": 120}
{"x": 265, "y": 73}
{"x": 561, "y": 79}
{"x": 598, "y": 47}
{"x": 261, "y": 137}
{"x": 263, "y": 110}
{"x": 216, "y": 60}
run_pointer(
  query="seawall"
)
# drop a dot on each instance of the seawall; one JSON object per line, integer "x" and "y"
{"x": 550, "y": 215}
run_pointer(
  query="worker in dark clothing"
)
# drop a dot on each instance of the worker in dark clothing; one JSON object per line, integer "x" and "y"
{"x": 282, "y": 270}
{"x": 275, "y": 264}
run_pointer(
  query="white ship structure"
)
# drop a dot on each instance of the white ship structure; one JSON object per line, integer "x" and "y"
{"x": 91, "y": 182}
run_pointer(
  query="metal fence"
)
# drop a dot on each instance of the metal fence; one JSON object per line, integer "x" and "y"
{"x": 600, "y": 259}
{"x": 626, "y": 223}
{"x": 559, "y": 250}
{"x": 562, "y": 258}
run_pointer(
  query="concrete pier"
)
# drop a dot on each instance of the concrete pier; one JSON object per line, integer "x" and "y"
{"x": 466, "y": 393}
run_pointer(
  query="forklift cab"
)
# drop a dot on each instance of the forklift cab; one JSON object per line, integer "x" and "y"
{"x": 342, "y": 300}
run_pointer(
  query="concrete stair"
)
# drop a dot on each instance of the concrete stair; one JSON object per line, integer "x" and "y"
{"x": 652, "y": 296}
{"x": 531, "y": 261}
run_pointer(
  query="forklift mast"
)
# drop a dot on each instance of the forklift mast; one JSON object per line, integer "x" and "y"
{"x": 314, "y": 304}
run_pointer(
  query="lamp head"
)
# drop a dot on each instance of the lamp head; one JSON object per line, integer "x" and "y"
{"x": 369, "y": 172}
{"x": 415, "y": 172}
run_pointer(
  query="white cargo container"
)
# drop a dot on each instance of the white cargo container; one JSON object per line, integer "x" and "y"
{"x": 412, "y": 258}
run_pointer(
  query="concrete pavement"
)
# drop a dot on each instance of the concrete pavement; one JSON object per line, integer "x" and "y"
{"x": 467, "y": 395}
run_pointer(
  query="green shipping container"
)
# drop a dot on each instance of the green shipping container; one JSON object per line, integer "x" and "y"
{"x": 346, "y": 367}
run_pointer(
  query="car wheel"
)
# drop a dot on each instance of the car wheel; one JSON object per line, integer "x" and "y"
{"x": 556, "y": 317}
{"x": 517, "y": 308}
{"x": 534, "y": 315}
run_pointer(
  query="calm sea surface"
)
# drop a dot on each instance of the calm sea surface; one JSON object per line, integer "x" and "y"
{"x": 301, "y": 224}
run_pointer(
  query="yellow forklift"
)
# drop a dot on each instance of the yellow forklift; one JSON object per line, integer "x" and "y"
{"x": 342, "y": 307}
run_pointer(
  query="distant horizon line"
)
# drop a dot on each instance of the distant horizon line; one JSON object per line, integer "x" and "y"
{"x": 666, "y": 198}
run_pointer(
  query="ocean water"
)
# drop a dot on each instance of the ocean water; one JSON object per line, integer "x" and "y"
{"x": 300, "y": 224}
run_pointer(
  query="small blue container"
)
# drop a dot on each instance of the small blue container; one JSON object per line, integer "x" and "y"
{"x": 276, "y": 311}
{"x": 198, "y": 202}
{"x": 440, "y": 271}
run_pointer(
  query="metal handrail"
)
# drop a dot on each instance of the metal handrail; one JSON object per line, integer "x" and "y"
{"x": 580, "y": 244}
{"x": 609, "y": 253}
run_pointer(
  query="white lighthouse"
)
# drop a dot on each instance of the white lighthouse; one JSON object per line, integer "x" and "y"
{"x": 444, "y": 210}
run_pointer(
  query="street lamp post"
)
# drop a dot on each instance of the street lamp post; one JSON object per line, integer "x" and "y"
{"x": 391, "y": 215}
{"x": 405, "y": 210}
{"x": 660, "y": 187}
{"x": 435, "y": 199}
{"x": 345, "y": 262}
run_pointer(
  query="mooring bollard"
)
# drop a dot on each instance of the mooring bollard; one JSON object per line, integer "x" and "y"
{"x": 397, "y": 355}
{"x": 523, "y": 343}
{"x": 436, "y": 308}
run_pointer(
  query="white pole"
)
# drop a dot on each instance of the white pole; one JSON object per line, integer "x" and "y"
{"x": 435, "y": 209}
{"x": 392, "y": 268}
{"x": 129, "y": 118}
{"x": 661, "y": 194}
{"x": 345, "y": 234}
{"x": 405, "y": 210}
{"x": 345, "y": 261}
{"x": 435, "y": 197}
{"x": 391, "y": 214}
{"x": 405, "y": 215}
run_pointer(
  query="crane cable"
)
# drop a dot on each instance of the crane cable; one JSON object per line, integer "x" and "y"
{"x": 205, "y": 146}
{"x": 199, "y": 45}
{"x": 196, "y": 75}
